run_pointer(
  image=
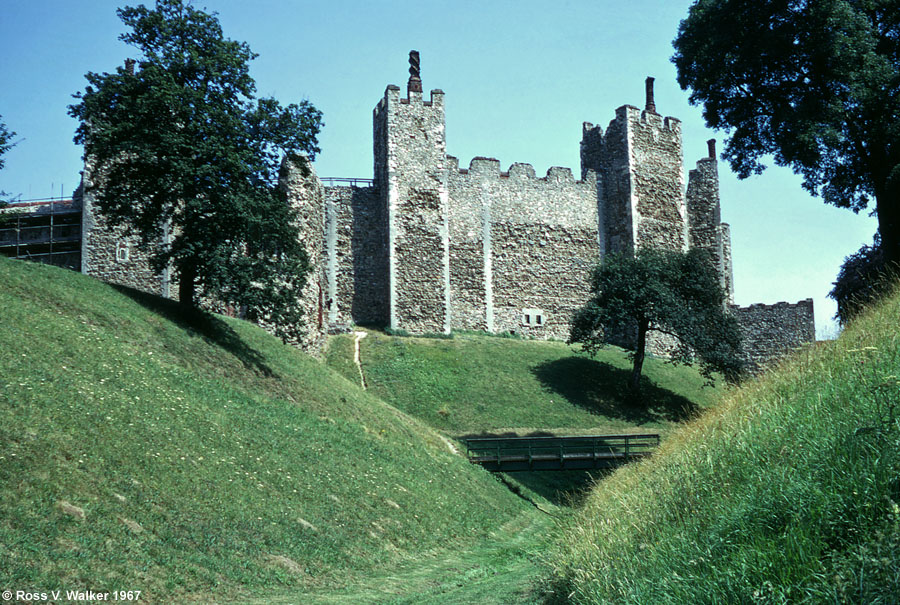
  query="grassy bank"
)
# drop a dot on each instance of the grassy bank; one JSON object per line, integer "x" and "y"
{"x": 787, "y": 492}
{"x": 197, "y": 458}
{"x": 472, "y": 384}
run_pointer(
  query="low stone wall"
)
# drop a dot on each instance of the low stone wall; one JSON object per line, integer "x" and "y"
{"x": 771, "y": 331}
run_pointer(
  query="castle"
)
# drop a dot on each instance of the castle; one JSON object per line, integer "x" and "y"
{"x": 429, "y": 247}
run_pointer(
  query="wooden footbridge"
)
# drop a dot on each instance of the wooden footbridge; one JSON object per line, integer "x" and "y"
{"x": 510, "y": 454}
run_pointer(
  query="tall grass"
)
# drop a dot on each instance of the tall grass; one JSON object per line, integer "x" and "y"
{"x": 787, "y": 492}
{"x": 207, "y": 458}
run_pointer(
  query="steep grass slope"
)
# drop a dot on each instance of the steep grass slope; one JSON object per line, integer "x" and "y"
{"x": 194, "y": 458}
{"x": 787, "y": 492}
{"x": 473, "y": 384}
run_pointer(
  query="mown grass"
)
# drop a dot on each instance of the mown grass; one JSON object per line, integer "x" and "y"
{"x": 787, "y": 492}
{"x": 474, "y": 384}
{"x": 209, "y": 459}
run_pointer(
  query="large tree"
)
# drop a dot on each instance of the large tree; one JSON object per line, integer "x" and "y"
{"x": 668, "y": 292}
{"x": 179, "y": 144}
{"x": 814, "y": 83}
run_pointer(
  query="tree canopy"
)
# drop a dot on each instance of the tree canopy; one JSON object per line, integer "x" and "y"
{"x": 6, "y": 144}
{"x": 178, "y": 144}
{"x": 864, "y": 278}
{"x": 813, "y": 83}
{"x": 668, "y": 292}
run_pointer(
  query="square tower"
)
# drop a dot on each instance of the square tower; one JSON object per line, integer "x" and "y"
{"x": 411, "y": 176}
{"x": 639, "y": 161}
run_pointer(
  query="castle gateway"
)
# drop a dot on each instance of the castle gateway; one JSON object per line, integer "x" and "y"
{"x": 429, "y": 247}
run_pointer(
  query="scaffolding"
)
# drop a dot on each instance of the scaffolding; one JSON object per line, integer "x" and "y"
{"x": 45, "y": 230}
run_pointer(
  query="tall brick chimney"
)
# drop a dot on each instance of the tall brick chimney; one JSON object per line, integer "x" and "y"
{"x": 650, "y": 105}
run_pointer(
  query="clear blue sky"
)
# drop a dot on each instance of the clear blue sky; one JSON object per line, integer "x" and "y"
{"x": 520, "y": 78}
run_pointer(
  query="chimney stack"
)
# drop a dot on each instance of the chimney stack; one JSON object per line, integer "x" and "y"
{"x": 129, "y": 66}
{"x": 650, "y": 105}
{"x": 415, "y": 81}
{"x": 711, "y": 145}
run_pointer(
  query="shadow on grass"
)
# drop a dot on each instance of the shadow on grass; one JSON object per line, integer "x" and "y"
{"x": 562, "y": 488}
{"x": 601, "y": 389}
{"x": 203, "y": 323}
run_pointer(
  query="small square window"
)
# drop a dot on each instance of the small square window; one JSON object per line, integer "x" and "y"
{"x": 122, "y": 252}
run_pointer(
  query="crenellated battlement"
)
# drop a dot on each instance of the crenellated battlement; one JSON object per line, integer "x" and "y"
{"x": 481, "y": 167}
{"x": 805, "y": 304}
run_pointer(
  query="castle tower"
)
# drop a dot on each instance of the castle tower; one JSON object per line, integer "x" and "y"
{"x": 705, "y": 227}
{"x": 639, "y": 162}
{"x": 411, "y": 176}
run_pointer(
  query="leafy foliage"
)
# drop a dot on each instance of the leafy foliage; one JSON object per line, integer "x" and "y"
{"x": 816, "y": 84}
{"x": 864, "y": 278}
{"x": 180, "y": 147}
{"x": 668, "y": 292}
{"x": 6, "y": 136}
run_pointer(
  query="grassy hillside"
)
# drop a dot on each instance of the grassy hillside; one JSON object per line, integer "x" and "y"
{"x": 474, "y": 384}
{"x": 787, "y": 492}
{"x": 195, "y": 457}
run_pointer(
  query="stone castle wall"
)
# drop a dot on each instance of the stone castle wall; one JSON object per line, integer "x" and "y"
{"x": 305, "y": 193}
{"x": 110, "y": 255}
{"x": 410, "y": 141}
{"x": 705, "y": 227}
{"x": 520, "y": 246}
{"x": 355, "y": 256}
{"x": 431, "y": 247}
{"x": 771, "y": 331}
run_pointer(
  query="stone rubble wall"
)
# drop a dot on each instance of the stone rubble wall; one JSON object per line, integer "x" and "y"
{"x": 356, "y": 256}
{"x": 103, "y": 246}
{"x": 518, "y": 243}
{"x": 305, "y": 193}
{"x": 658, "y": 180}
{"x": 415, "y": 187}
{"x": 705, "y": 228}
{"x": 771, "y": 331}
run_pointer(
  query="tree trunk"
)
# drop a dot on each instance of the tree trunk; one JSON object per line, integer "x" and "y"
{"x": 635, "y": 383}
{"x": 887, "y": 208}
{"x": 187, "y": 285}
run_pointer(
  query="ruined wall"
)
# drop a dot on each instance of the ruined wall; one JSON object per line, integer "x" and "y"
{"x": 771, "y": 331}
{"x": 305, "y": 194}
{"x": 111, "y": 256}
{"x": 657, "y": 179}
{"x": 521, "y": 247}
{"x": 356, "y": 256}
{"x": 413, "y": 183}
{"x": 705, "y": 228}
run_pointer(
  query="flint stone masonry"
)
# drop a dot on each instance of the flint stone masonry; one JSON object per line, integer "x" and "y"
{"x": 706, "y": 229}
{"x": 355, "y": 254}
{"x": 517, "y": 242}
{"x": 432, "y": 247}
{"x": 413, "y": 182}
{"x": 771, "y": 331}
{"x": 306, "y": 194}
{"x": 110, "y": 255}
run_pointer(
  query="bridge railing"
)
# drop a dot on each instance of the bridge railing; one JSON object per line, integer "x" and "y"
{"x": 557, "y": 453}
{"x": 339, "y": 181}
